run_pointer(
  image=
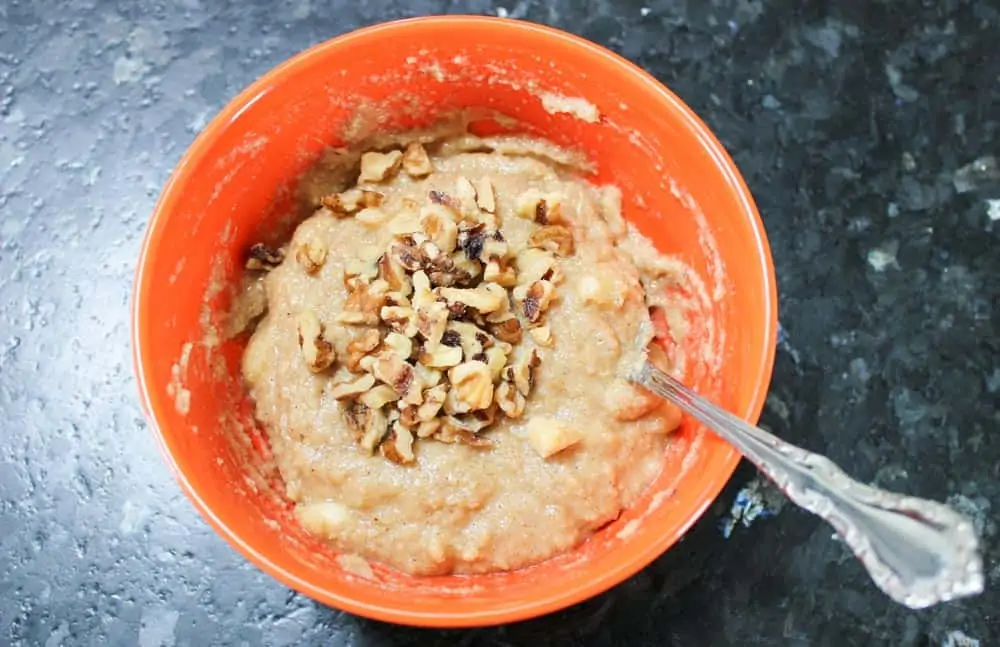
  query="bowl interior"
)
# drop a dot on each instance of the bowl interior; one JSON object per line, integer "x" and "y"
{"x": 239, "y": 183}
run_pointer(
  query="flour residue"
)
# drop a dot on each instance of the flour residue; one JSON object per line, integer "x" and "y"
{"x": 178, "y": 375}
{"x": 574, "y": 106}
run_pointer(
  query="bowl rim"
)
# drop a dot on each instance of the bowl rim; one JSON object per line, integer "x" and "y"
{"x": 516, "y": 610}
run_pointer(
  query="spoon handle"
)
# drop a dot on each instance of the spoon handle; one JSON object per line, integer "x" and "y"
{"x": 919, "y": 552}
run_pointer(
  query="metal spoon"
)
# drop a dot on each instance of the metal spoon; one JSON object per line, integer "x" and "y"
{"x": 919, "y": 552}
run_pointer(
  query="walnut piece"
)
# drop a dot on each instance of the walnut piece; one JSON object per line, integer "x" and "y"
{"x": 486, "y": 196}
{"x": 348, "y": 202}
{"x": 311, "y": 255}
{"x": 353, "y": 388}
{"x": 438, "y": 310}
{"x": 472, "y": 384}
{"x": 439, "y": 225}
{"x": 378, "y": 396}
{"x": 398, "y": 447}
{"x": 535, "y": 299}
{"x": 542, "y": 336}
{"x": 540, "y": 208}
{"x": 262, "y": 257}
{"x": 416, "y": 162}
{"x": 317, "y": 351}
{"x": 378, "y": 167}
{"x": 555, "y": 238}
{"x": 392, "y": 370}
{"x": 510, "y": 400}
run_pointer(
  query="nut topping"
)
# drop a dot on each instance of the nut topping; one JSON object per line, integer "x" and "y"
{"x": 377, "y": 167}
{"x": 416, "y": 162}
{"x": 486, "y": 196}
{"x": 398, "y": 447}
{"x": 472, "y": 385}
{"x": 555, "y": 238}
{"x": 318, "y": 353}
{"x": 353, "y": 388}
{"x": 350, "y": 201}
{"x": 439, "y": 310}
{"x": 262, "y": 257}
{"x": 542, "y": 209}
{"x": 311, "y": 256}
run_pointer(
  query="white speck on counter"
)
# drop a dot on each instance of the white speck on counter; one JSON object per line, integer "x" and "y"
{"x": 156, "y": 629}
{"x": 57, "y": 637}
{"x": 958, "y": 638}
{"x": 644, "y": 11}
{"x": 885, "y": 256}
{"x": 133, "y": 516}
{"x": 993, "y": 210}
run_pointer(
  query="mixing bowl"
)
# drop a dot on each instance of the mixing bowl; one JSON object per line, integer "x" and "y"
{"x": 239, "y": 184}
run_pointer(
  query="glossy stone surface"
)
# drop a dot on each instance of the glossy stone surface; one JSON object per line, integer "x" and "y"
{"x": 851, "y": 122}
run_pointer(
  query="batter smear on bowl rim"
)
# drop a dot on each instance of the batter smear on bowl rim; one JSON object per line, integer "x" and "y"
{"x": 438, "y": 362}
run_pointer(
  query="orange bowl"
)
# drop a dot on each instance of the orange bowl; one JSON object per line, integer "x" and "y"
{"x": 238, "y": 183}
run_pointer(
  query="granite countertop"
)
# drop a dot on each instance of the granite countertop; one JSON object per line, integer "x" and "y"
{"x": 866, "y": 131}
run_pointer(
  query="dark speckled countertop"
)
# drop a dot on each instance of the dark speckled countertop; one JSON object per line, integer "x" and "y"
{"x": 867, "y": 131}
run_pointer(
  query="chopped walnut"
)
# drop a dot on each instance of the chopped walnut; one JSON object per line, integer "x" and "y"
{"x": 350, "y": 201}
{"x": 317, "y": 351}
{"x": 433, "y": 401}
{"x": 378, "y": 396}
{"x": 311, "y": 256}
{"x": 262, "y": 257}
{"x": 533, "y": 265}
{"x": 496, "y": 361}
{"x": 535, "y": 299}
{"x": 543, "y": 209}
{"x": 465, "y": 193}
{"x": 471, "y": 239}
{"x": 401, "y": 344}
{"x": 521, "y": 372}
{"x": 472, "y": 384}
{"x": 416, "y": 162}
{"x": 428, "y": 428}
{"x": 453, "y": 433}
{"x": 375, "y": 429}
{"x": 439, "y": 309}
{"x": 542, "y": 335}
{"x": 352, "y": 388}
{"x": 391, "y": 369}
{"x": 400, "y": 319}
{"x": 361, "y": 346}
{"x": 394, "y": 275}
{"x": 398, "y": 447}
{"x": 441, "y": 356}
{"x": 445, "y": 200}
{"x": 549, "y": 436}
{"x": 508, "y": 330}
{"x": 377, "y": 167}
{"x": 555, "y": 238}
{"x": 510, "y": 400}
{"x": 439, "y": 225}
{"x": 431, "y": 322}
{"x": 363, "y": 304}
{"x": 486, "y": 196}
{"x": 486, "y": 298}
{"x": 499, "y": 272}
